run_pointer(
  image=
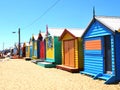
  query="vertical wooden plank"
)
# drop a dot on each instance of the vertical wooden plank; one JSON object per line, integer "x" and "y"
{"x": 66, "y": 54}
{"x": 62, "y": 52}
{"x": 71, "y": 53}
{"x": 77, "y": 64}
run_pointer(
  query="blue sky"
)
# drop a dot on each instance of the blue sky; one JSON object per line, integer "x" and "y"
{"x": 16, "y": 14}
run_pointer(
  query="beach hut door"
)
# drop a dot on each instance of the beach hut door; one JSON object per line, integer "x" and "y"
{"x": 69, "y": 53}
{"x": 42, "y": 50}
{"x": 107, "y": 44}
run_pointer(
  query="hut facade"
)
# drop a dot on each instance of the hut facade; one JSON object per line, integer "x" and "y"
{"x": 27, "y": 50}
{"x": 31, "y": 48}
{"x": 34, "y": 46}
{"x": 53, "y": 48}
{"x": 101, "y": 42}
{"x": 72, "y": 52}
{"x": 42, "y": 46}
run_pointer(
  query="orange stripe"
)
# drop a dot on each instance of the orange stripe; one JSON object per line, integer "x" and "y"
{"x": 93, "y": 45}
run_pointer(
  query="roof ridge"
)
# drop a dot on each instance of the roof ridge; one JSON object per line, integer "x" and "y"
{"x": 66, "y": 28}
{"x": 108, "y": 16}
{"x": 112, "y": 22}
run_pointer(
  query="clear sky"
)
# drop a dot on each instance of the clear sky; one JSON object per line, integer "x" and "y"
{"x": 33, "y": 15}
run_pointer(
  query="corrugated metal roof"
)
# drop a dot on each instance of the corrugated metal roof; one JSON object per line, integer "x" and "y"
{"x": 58, "y": 31}
{"x": 110, "y": 21}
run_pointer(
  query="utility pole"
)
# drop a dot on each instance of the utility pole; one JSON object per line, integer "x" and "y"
{"x": 19, "y": 42}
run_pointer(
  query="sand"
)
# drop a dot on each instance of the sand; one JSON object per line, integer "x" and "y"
{"x": 25, "y": 75}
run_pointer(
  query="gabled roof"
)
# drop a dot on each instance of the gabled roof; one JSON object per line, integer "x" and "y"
{"x": 40, "y": 36}
{"x": 43, "y": 35}
{"x": 73, "y": 32}
{"x": 58, "y": 31}
{"x": 35, "y": 37}
{"x": 111, "y": 22}
{"x": 55, "y": 31}
{"x": 30, "y": 41}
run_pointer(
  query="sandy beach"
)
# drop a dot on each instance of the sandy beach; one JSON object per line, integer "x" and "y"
{"x": 25, "y": 75}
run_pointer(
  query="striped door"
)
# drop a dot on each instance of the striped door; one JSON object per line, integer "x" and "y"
{"x": 69, "y": 53}
{"x": 93, "y": 56}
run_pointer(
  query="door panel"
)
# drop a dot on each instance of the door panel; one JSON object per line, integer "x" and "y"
{"x": 71, "y": 53}
{"x": 66, "y": 59}
{"x": 93, "y": 55}
{"x": 42, "y": 50}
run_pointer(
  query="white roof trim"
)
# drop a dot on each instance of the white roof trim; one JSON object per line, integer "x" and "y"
{"x": 58, "y": 31}
{"x": 111, "y": 22}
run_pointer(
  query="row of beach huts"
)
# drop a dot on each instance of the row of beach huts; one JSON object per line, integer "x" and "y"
{"x": 94, "y": 51}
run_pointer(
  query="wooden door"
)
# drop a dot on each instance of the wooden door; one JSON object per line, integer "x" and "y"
{"x": 69, "y": 53}
{"x": 66, "y": 54}
{"x": 42, "y": 50}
